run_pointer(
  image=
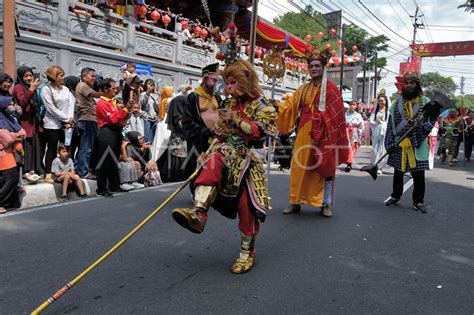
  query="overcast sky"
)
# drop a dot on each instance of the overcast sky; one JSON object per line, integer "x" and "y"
{"x": 444, "y": 23}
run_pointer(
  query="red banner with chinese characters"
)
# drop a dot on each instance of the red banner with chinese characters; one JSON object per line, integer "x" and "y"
{"x": 443, "y": 49}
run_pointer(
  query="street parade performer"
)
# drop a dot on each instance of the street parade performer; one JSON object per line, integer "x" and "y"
{"x": 200, "y": 116}
{"x": 355, "y": 130}
{"x": 450, "y": 127}
{"x": 317, "y": 111}
{"x": 411, "y": 155}
{"x": 232, "y": 178}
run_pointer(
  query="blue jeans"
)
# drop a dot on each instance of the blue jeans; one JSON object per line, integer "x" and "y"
{"x": 88, "y": 130}
{"x": 150, "y": 130}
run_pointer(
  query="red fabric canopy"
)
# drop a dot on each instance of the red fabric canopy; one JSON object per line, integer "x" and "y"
{"x": 273, "y": 34}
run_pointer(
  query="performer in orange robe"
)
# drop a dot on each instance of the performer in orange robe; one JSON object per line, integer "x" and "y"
{"x": 321, "y": 138}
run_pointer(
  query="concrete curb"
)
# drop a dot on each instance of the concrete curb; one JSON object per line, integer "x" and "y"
{"x": 42, "y": 193}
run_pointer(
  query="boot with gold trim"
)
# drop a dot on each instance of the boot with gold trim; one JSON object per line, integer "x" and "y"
{"x": 246, "y": 259}
{"x": 195, "y": 219}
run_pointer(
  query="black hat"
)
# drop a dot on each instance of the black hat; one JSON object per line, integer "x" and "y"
{"x": 210, "y": 69}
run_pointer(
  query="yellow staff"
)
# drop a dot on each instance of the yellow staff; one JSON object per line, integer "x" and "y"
{"x": 69, "y": 285}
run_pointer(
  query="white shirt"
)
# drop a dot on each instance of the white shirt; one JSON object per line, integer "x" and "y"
{"x": 59, "y": 106}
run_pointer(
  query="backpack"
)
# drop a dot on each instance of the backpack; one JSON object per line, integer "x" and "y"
{"x": 40, "y": 109}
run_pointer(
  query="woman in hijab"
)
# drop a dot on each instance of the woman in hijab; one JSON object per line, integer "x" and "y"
{"x": 11, "y": 136}
{"x": 6, "y": 83}
{"x": 25, "y": 92}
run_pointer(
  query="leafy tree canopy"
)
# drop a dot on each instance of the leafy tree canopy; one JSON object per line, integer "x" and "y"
{"x": 310, "y": 22}
{"x": 300, "y": 24}
{"x": 468, "y": 101}
{"x": 468, "y": 6}
{"x": 431, "y": 81}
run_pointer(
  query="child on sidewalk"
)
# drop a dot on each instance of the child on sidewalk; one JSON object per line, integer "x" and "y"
{"x": 63, "y": 170}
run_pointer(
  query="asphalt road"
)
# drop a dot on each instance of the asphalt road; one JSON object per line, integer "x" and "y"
{"x": 368, "y": 258}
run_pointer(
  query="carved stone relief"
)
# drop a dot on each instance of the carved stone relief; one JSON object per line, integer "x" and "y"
{"x": 38, "y": 19}
{"x": 97, "y": 33}
{"x": 196, "y": 58}
{"x": 154, "y": 48}
{"x": 102, "y": 67}
{"x": 38, "y": 61}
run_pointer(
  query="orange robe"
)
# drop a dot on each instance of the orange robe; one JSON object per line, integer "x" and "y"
{"x": 307, "y": 179}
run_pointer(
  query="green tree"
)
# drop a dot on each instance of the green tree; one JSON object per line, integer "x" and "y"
{"x": 468, "y": 101}
{"x": 431, "y": 81}
{"x": 307, "y": 22}
{"x": 468, "y": 6}
{"x": 310, "y": 22}
{"x": 357, "y": 36}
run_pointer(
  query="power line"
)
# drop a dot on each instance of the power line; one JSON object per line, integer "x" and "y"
{"x": 343, "y": 8}
{"x": 406, "y": 11}
{"x": 451, "y": 26}
{"x": 383, "y": 22}
{"x": 363, "y": 11}
{"x": 398, "y": 16}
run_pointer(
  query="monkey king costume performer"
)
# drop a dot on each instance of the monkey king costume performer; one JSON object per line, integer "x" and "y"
{"x": 317, "y": 112}
{"x": 232, "y": 179}
{"x": 200, "y": 116}
{"x": 411, "y": 155}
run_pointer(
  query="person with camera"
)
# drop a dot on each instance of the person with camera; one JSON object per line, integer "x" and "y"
{"x": 412, "y": 153}
{"x": 26, "y": 94}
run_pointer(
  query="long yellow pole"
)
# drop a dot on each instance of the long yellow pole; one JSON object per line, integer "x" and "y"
{"x": 69, "y": 285}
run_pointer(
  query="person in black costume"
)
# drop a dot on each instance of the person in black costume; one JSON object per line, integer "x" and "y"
{"x": 200, "y": 115}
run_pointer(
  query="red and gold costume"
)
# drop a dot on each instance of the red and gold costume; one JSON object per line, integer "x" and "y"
{"x": 321, "y": 141}
{"x": 232, "y": 178}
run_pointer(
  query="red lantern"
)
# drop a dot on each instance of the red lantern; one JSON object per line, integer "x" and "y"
{"x": 155, "y": 15}
{"x": 354, "y": 48}
{"x": 339, "y": 43}
{"x": 346, "y": 61}
{"x": 184, "y": 24}
{"x": 355, "y": 55}
{"x": 320, "y": 34}
{"x": 345, "y": 49}
{"x": 328, "y": 46}
{"x": 197, "y": 30}
{"x": 355, "y": 59}
{"x": 332, "y": 31}
{"x": 308, "y": 37}
{"x": 203, "y": 33}
{"x": 166, "y": 20}
{"x": 333, "y": 52}
{"x": 337, "y": 62}
{"x": 142, "y": 10}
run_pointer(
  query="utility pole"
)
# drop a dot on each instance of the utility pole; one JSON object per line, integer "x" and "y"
{"x": 364, "y": 77}
{"x": 462, "y": 85}
{"x": 375, "y": 74}
{"x": 416, "y": 26}
{"x": 9, "y": 40}
{"x": 343, "y": 39}
{"x": 253, "y": 31}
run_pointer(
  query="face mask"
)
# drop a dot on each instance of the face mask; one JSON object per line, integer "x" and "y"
{"x": 13, "y": 111}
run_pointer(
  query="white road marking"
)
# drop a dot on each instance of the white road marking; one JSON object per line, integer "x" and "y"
{"x": 406, "y": 186}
